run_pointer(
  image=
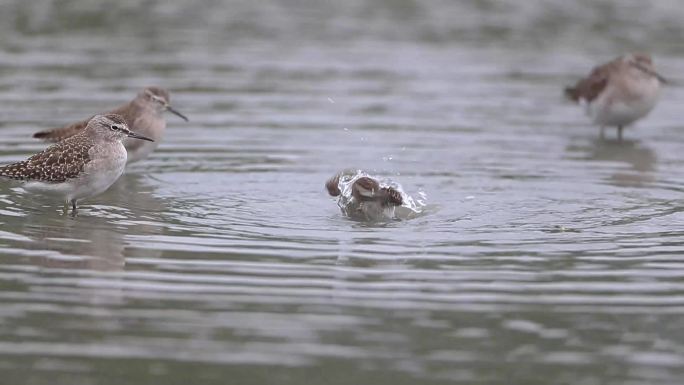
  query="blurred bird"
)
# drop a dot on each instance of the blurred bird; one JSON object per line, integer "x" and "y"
{"x": 144, "y": 115}
{"x": 619, "y": 92}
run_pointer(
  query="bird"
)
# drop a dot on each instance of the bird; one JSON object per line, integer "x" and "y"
{"x": 81, "y": 166}
{"x": 368, "y": 201}
{"x": 144, "y": 115}
{"x": 619, "y": 92}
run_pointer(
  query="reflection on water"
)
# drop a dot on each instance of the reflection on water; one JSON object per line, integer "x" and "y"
{"x": 92, "y": 240}
{"x": 96, "y": 248}
{"x": 632, "y": 152}
{"x": 640, "y": 159}
{"x": 546, "y": 255}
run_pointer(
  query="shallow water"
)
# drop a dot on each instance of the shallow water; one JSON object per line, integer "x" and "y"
{"x": 545, "y": 254}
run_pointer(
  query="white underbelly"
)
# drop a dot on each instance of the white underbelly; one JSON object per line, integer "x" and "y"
{"x": 612, "y": 110}
{"x": 97, "y": 182}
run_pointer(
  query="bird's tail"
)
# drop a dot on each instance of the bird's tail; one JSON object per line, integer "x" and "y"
{"x": 54, "y": 135}
{"x": 571, "y": 93}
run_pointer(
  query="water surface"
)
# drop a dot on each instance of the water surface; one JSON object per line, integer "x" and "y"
{"x": 545, "y": 254}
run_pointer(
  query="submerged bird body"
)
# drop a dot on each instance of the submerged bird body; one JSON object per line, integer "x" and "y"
{"x": 81, "y": 166}
{"x": 620, "y": 92}
{"x": 144, "y": 115}
{"x": 368, "y": 200}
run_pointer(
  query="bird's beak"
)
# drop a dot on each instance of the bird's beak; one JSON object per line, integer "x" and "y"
{"x": 652, "y": 73}
{"x": 136, "y": 136}
{"x": 661, "y": 79}
{"x": 175, "y": 112}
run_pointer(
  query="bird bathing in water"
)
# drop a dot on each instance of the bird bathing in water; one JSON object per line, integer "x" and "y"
{"x": 366, "y": 198}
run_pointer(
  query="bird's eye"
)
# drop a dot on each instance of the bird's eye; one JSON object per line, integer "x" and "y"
{"x": 116, "y": 128}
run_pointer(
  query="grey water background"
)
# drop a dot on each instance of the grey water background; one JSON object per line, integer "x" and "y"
{"x": 545, "y": 255}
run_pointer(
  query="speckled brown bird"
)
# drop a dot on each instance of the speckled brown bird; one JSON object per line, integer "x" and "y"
{"x": 144, "y": 115}
{"x": 81, "y": 166}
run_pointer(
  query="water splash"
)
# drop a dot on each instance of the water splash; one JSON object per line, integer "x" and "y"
{"x": 378, "y": 209}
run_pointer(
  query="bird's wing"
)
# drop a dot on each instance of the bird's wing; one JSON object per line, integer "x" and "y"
{"x": 392, "y": 196}
{"x": 58, "y": 163}
{"x": 590, "y": 87}
{"x": 61, "y": 133}
{"x": 332, "y": 185}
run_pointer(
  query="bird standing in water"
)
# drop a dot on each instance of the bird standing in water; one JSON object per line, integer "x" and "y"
{"x": 81, "y": 166}
{"x": 620, "y": 92}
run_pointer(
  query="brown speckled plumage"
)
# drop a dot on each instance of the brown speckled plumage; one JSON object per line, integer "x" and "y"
{"x": 58, "y": 163}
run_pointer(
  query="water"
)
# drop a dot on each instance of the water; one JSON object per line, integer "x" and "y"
{"x": 545, "y": 255}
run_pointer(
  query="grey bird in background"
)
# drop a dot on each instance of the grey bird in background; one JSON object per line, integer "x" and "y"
{"x": 144, "y": 115}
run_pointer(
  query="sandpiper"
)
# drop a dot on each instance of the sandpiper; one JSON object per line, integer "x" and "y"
{"x": 368, "y": 200}
{"x": 619, "y": 92}
{"x": 144, "y": 115}
{"x": 81, "y": 166}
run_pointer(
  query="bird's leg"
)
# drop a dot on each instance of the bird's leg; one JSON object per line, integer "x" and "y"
{"x": 73, "y": 207}
{"x": 620, "y": 133}
{"x": 65, "y": 208}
